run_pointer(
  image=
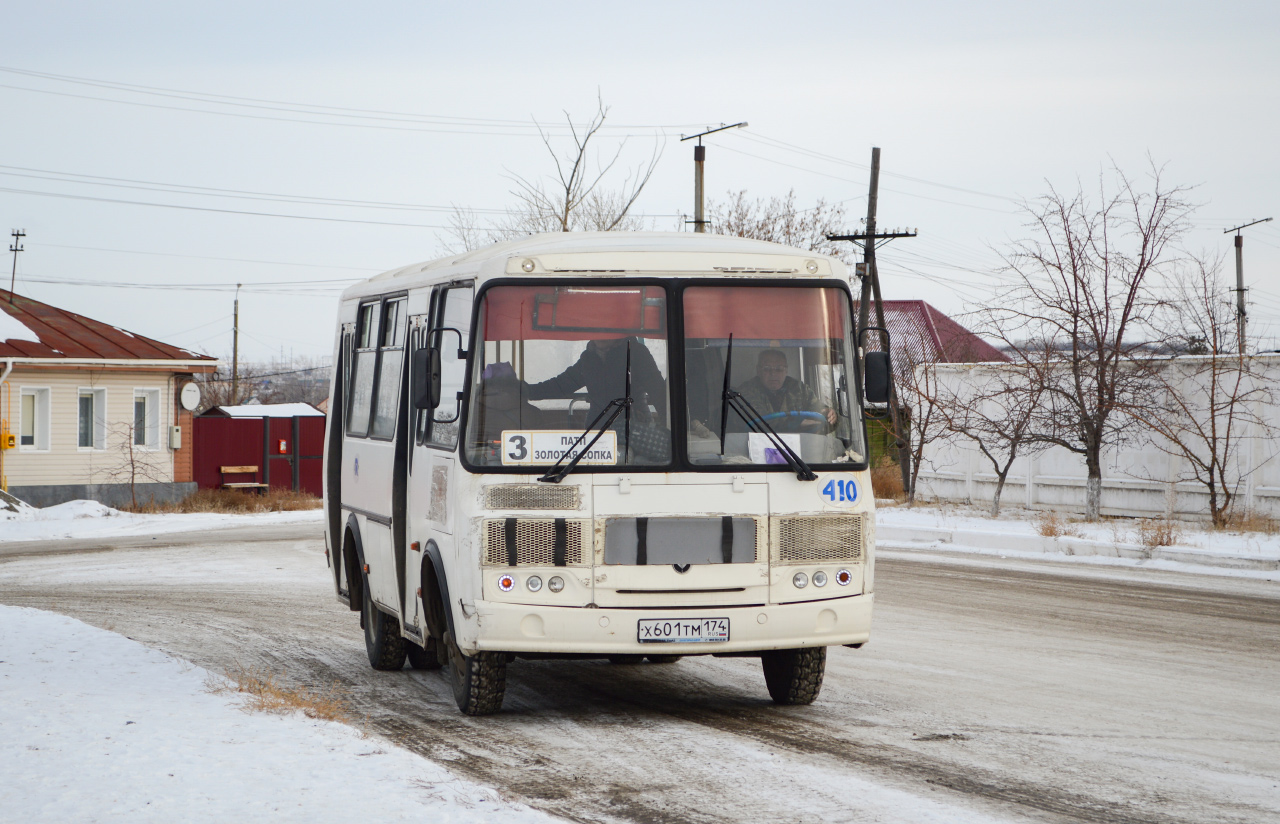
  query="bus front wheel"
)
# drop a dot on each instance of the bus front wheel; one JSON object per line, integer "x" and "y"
{"x": 382, "y": 640}
{"x": 794, "y": 676}
{"x": 479, "y": 681}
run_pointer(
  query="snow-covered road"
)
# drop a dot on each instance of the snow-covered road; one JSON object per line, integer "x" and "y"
{"x": 992, "y": 690}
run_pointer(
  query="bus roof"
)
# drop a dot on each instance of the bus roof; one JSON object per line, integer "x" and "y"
{"x": 618, "y": 253}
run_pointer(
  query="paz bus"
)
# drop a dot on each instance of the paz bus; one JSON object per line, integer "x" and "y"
{"x": 632, "y": 446}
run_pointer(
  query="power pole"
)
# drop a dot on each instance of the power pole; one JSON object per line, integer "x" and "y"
{"x": 699, "y": 159}
{"x": 1240, "y": 312}
{"x": 15, "y": 247}
{"x": 871, "y": 290}
{"x": 235, "y": 349}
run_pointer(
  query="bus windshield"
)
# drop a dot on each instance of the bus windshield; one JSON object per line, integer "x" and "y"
{"x": 550, "y": 359}
{"x": 554, "y": 360}
{"x": 787, "y": 353}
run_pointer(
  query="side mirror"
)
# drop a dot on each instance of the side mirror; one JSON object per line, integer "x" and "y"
{"x": 426, "y": 378}
{"x": 875, "y": 374}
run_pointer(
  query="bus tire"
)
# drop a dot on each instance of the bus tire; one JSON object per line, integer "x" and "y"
{"x": 382, "y": 640}
{"x": 422, "y": 658}
{"x": 664, "y": 659}
{"x": 794, "y": 676}
{"x": 626, "y": 659}
{"x": 479, "y": 681}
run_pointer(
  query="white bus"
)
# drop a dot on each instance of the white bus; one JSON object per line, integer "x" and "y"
{"x": 633, "y": 446}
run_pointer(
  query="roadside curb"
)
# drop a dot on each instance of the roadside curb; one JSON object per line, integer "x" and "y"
{"x": 924, "y": 537}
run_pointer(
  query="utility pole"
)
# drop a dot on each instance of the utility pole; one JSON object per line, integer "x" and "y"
{"x": 871, "y": 290}
{"x": 699, "y": 160}
{"x": 235, "y": 349}
{"x": 1240, "y": 313}
{"x": 15, "y": 247}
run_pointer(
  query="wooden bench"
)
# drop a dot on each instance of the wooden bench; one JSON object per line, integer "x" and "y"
{"x": 240, "y": 470}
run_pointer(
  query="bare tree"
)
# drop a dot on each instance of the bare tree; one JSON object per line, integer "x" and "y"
{"x": 1080, "y": 291}
{"x": 134, "y": 463}
{"x": 574, "y": 199}
{"x": 917, "y": 378}
{"x": 996, "y": 409}
{"x": 1207, "y": 403}
{"x": 779, "y": 221}
{"x": 302, "y": 379}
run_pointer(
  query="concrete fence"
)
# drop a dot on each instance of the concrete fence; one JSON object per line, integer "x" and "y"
{"x": 1139, "y": 478}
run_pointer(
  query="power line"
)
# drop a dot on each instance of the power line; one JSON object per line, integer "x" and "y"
{"x": 226, "y": 259}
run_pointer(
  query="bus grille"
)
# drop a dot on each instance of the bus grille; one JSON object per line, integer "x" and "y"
{"x": 534, "y": 541}
{"x": 531, "y": 496}
{"x": 804, "y": 539}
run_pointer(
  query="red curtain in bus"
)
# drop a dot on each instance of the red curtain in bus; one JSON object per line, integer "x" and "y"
{"x": 756, "y": 312}
{"x": 574, "y": 312}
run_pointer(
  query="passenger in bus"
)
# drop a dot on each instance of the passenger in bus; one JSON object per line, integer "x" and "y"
{"x": 501, "y": 405}
{"x": 601, "y": 369}
{"x": 773, "y": 391}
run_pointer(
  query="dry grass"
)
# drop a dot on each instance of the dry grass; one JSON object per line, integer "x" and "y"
{"x": 1250, "y": 521}
{"x": 265, "y": 693}
{"x": 886, "y": 480}
{"x": 234, "y": 501}
{"x": 1155, "y": 532}
{"x": 1052, "y": 525}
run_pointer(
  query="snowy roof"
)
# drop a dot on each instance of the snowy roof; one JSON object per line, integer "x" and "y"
{"x": 31, "y": 329}
{"x": 266, "y": 410}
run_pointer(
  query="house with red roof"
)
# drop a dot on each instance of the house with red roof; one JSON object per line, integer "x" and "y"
{"x": 89, "y": 410}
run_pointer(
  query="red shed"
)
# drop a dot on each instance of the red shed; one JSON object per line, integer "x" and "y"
{"x": 277, "y": 444}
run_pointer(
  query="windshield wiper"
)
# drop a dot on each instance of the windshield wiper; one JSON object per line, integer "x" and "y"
{"x": 742, "y": 406}
{"x": 758, "y": 424}
{"x": 557, "y": 473}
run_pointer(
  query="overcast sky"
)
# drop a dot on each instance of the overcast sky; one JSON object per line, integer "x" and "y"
{"x": 973, "y": 106}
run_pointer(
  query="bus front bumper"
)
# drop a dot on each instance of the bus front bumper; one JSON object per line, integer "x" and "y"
{"x": 580, "y": 630}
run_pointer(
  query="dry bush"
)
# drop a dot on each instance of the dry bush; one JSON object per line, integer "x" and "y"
{"x": 1052, "y": 525}
{"x": 234, "y": 501}
{"x": 1155, "y": 532}
{"x": 886, "y": 480}
{"x": 1250, "y": 521}
{"x": 266, "y": 694}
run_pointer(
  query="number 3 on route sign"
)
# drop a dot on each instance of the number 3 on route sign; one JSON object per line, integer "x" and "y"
{"x": 838, "y": 490}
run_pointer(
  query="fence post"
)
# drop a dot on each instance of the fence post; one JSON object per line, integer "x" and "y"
{"x": 293, "y": 451}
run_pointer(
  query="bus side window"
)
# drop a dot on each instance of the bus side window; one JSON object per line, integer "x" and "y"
{"x": 387, "y": 392}
{"x": 363, "y": 366}
{"x": 454, "y": 313}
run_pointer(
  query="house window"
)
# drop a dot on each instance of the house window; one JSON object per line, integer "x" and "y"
{"x": 33, "y": 423}
{"x": 146, "y": 418}
{"x": 92, "y": 424}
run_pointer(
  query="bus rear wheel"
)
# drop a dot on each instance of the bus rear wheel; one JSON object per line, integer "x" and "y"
{"x": 479, "y": 681}
{"x": 794, "y": 676}
{"x": 382, "y": 640}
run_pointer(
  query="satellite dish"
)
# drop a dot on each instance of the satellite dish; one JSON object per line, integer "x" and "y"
{"x": 189, "y": 397}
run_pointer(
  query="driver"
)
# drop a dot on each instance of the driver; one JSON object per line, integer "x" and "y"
{"x": 772, "y": 391}
{"x": 601, "y": 370}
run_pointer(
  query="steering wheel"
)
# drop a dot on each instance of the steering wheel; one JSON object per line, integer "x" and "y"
{"x": 796, "y": 419}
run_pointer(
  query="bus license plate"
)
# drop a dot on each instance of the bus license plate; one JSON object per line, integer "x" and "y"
{"x": 682, "y": 630}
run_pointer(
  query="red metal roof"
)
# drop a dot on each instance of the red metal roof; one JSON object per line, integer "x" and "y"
{"x": 65, "y": 334}
{"x": 925, "y": 334}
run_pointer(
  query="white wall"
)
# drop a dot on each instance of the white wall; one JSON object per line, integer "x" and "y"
{"x": 1136, "y": 477}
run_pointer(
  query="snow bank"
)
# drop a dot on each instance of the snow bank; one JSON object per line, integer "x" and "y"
{"x": 90, "y": 519}
{"x": 100, "y": 728}
{"x": 1112, "y": 542}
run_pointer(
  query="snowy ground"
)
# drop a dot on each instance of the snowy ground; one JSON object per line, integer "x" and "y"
{"x": 1112, "y": 542}
{"x": 90, "y": 519}
{"x": 97, "y": 727}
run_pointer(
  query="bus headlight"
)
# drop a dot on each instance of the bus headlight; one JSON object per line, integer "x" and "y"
{"x": 506, "y": 582}
{"x": 534, "y": 583}
{"x": 843, "y": 577}
{"x": 819, "y": 579}
{"x": 800, "y": 580}
{"x": 555, "y": 584}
